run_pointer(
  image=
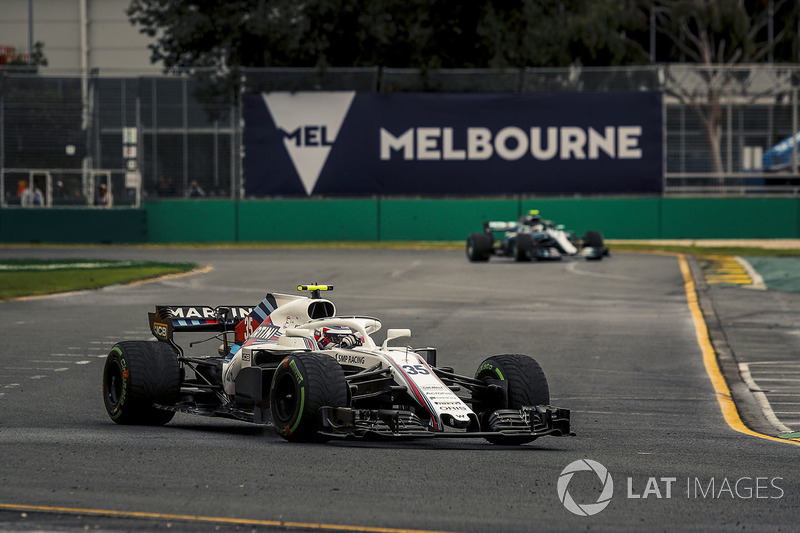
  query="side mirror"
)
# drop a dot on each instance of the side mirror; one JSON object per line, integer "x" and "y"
{"x": 295, "y": 338}
{"x": 296, "y": 332}
{"x": 392, "y": 334}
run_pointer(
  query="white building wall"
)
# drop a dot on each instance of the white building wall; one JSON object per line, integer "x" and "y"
{"x": 112, "y": 42}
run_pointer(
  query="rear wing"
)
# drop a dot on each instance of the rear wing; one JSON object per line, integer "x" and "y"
{"x": 168, "y": 319}
{"x": 496, "y": 225}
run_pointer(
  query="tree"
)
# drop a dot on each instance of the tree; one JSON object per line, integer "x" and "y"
{"x": 225, "y": 36}
{"x": 269, "y": 33}
{"x": 714, "y": 35}
{"x": 542, "y": 33}
{"x": 217, "y": 39}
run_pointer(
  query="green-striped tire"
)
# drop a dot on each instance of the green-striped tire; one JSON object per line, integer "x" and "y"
{"x": 527, "y": 386}
{"x": 302, "y": 384}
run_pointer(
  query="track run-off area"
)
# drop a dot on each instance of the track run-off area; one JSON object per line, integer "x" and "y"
{"x": 639, "y": 347}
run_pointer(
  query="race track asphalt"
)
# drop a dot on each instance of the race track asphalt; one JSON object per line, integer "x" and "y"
{"x": 618, "y": 340}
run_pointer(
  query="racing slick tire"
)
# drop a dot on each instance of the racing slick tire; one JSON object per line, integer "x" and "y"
{"x": 523, "y": 247}
{"x": 527, "y": 386}
{"x": 594, "y": 239}
{"x": 302, "y": 384}
{"x": 138, "y": 374}
{"x": 479, "y": 247}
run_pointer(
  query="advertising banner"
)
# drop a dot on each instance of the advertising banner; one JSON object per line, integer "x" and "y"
{"x": 354, "y": 144}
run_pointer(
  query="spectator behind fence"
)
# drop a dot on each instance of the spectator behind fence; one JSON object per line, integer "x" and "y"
{"x": 103, "y": 196}
{"x": 195, "y": 191}
{"x": 165, "y": 187}
{"x": 31, "y": 198}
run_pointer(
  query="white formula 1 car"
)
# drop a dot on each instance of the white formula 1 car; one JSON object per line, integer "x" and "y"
{"x": 532, "y": 238}
{"x": 315, "y": 375}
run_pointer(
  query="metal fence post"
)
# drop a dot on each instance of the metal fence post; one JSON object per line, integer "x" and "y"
{"x": 794, "y": 130}
{"x": 185, "y": 133}
{"x": 2, "y": 125}
{"x": 729, "y": 143}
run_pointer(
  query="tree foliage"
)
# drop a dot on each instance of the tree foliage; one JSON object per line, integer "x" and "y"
{"x": 714, "y": 34}
{"x": 225, "y": 36}
{"x": 458, "y": 34}
{"x": 552, "y": 34}
{"x": 393, "y": 33}
{"x": 720, "y": 31}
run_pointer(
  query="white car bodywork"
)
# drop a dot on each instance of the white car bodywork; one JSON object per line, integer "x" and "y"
{"x": 295, "y": 364}
{"x": 557, "y": 233}
{"x": 291, "y": 329}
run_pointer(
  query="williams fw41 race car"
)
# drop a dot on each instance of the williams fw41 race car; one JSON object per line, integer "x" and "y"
{"x": 314, "y": 375}
{"x": 532, "y": 238}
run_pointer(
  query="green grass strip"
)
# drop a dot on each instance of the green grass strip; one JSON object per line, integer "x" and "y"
{"x": 26, "y": 281}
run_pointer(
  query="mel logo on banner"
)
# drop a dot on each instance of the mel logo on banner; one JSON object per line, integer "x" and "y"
{"x": 309, "y": 124}
{"x": 343, "y": 143}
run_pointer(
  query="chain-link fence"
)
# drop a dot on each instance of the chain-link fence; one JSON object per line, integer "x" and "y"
{"x": 730, "y": 130}
{"x": 726, "y": 130}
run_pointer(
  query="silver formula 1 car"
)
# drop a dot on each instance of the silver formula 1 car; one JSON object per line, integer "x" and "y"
{"x": 293, "y": 362}
{"x": 532, "y": 238}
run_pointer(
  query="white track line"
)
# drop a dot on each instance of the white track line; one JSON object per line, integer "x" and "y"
{"x": 761, "y": 398}
{"x": 758, "y": 281}
{"x": 572, "y": 268}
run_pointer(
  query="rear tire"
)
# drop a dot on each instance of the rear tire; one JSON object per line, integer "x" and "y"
{"x": 479, "y": 247}
{"x": 527, "y": 386}
{"x": 138, "y": 374}
{"x": 302, "y": 384}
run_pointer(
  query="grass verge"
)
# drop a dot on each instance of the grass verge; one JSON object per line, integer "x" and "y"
{"x": 30, "y": 277}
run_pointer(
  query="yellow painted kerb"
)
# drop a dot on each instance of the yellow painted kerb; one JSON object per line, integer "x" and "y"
{"x": 729, "y": 411}
{"x": 209, "y": 519}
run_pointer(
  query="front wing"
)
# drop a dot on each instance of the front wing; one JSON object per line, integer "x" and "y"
{"x": 535, "y": 421}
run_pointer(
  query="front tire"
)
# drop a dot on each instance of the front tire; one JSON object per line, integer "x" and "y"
{"x": 138, "y": 374}
{"x": 525, "y": 383}
{"x": 594, "y": 240}
{"x": 523, "y": 247}
{"x": 302, "y": 384}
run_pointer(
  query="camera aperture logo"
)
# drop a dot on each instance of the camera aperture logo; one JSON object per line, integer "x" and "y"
{"x": 658, "y": 487}
{"x": 585, "y": 509}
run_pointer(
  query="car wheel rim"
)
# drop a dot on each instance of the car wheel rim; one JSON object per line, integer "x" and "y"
{"x": 114, "y": 383}
{"x": 285, "y": 398}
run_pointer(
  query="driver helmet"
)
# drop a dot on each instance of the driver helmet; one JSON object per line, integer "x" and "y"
{"x": 532, "y": 218}
{"x": 333, "y": 337}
